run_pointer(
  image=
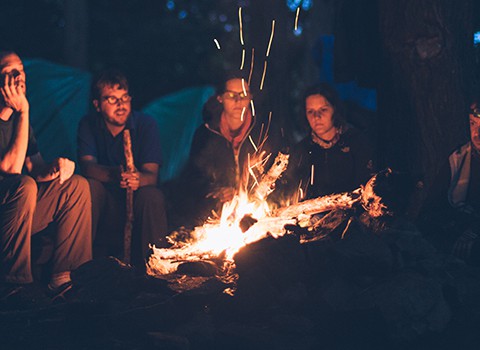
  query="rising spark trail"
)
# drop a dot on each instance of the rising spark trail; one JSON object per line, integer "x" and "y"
{"x": 296, "y": 18}
{"x": 271, "y": 38}
{"x": 251, "y": 66}
{"x": 263, "y": 75}
{"x": 312, "y": 175}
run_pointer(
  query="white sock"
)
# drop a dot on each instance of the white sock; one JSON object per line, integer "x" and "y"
{"x": 58, "y": 279}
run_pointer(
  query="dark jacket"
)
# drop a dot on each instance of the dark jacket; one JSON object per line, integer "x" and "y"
{"x": 341, "y": 168}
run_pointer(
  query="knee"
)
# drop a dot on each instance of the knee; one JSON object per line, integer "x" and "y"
{"x": 25, "y": 187}
{"x": 79, "y": 185}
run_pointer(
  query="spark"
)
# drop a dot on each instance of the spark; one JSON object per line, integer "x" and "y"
{"x": 312, "y": 175}
{"x": 269, "y": 121}
{"x": 300, "y": 190}
{"x": 253, "y": 143}
{"x": 216, "y": 43}
{"x": 250, "y": 170}
{"x": 243, "y": 59}
{"x": 261, "y": 132}
{"x": 262, "y": 161}
{"x": 296, "y": 18}
{"x": 253, "y": 107}
{"x": 271, "y": 38}
{"x": 251, "y": 66}
{"x": 241, "y": 25}
{"x": 243, "y": 87}
{"x": 243, "y": 112}
{"x": 263, "y": 75}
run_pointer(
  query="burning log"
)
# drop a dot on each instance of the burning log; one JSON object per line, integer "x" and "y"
{"x": 321, "y": 204}
{"x": 245, "y": 220}
{"x": 267, "y": 182}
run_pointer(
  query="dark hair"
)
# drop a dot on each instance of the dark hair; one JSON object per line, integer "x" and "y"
{"x": 211, "y": 109}
{"x": 229, "y": 75}
{"x": 331, "y": 95}
{"x": 110, "y": 78}
{"x": 5, "y": 53}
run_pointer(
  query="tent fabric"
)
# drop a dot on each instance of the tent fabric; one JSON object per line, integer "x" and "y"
{"x": 59, "y": 97}
{"x": 178, "y": 116}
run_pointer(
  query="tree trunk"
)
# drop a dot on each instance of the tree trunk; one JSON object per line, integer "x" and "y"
{"x": 76, "y": 33}
{"x": 423, "y": 94}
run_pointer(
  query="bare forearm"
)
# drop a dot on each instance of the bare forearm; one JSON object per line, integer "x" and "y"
{"x": 13, "y": 160}
{"x": 148, "y": 179}
{"x": 101, "y": 173}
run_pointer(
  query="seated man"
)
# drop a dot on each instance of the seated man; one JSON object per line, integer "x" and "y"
{"x": 102, "y": 160}
{"x": 451, "y": 214}
{"x": 52, "y": 195}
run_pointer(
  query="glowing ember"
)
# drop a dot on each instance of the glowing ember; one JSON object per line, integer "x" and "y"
{"x": 251, "y": 66}
{"x": 240, "y": 25}
{"x": 296, "y": 18}
{"x": 263, "y": 75}
{"x": 271, "y": 38}
{"x": 371, "y": 202}
{"x": 253, "y": 107}
{"x": 254, "y": 146}
{"x": 312, "y": 174}
{"x": 243, "y": 59}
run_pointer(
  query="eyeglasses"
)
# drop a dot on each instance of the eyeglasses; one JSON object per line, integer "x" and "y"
{"x": 475, "y": 111}
{"x": 237, "y": 96}
{"x": 114, "y": 100}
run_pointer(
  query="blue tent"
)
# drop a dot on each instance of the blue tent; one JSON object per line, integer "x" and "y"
{"x": 59, "y": 97}
{"x": 178, "y": 115}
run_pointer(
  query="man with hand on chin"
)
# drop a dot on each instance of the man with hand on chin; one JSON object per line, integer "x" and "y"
{"x": 49, "y": 195}
{"x": 102, "y": 159}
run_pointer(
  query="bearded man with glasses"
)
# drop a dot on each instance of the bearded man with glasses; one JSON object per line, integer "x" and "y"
{"x": 451, "y": 214}
{"x": 102, "y": 160}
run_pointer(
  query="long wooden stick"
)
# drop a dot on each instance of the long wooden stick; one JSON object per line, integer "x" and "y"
{"x": 127, "y": 232}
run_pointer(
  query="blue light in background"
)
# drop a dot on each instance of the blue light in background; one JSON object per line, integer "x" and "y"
{"x": 228, "y": 27}
{"x": 182, "y": 14}
{"x": 298, "y": 31}
{"x": 294, "y": 4}
{"x": 170, "y": 5}
{"x": 307, "y": 4}
{"x": 476, "y": 38}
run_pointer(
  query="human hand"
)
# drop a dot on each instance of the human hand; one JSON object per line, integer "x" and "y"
{"x": 130, "y": 180}
{"x": 463, "y": 245}
{"x": 13, "y": 92}
{"x": 223, "y": 194}
{"x": 63, "y": 168}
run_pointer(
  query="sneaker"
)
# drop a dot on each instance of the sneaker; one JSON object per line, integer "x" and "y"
{"x": 9, "y": 290}
{"x": 61, "y": 293}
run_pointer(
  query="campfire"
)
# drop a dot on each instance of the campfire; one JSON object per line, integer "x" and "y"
{"x": 248, "y": 218}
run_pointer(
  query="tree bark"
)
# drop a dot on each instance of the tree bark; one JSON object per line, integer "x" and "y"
{"x": 76, "y": 33}
{"x": 424, "y": 84}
